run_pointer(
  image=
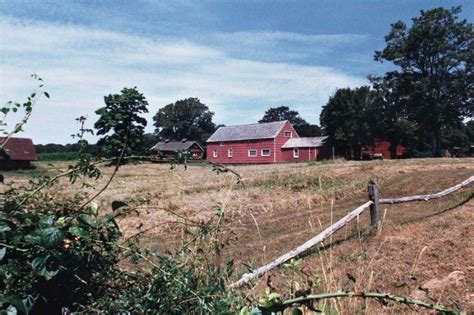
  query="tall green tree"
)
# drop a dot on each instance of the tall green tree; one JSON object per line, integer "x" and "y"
{"x": 434, "y": 66}
{"x": 188, "y": 118}
{"x": 120, "y": 121}
{"x": 348, "y": 120}
{"x": 302, "y": 127}
{"x": 392, "y": 119}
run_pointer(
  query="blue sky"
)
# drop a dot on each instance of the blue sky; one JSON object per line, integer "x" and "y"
{"x": 238, "y": 57}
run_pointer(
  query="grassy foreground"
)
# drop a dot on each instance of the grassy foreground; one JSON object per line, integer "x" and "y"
{"x": 422, "y": 251}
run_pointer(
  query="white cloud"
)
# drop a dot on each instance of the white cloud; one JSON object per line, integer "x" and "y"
{"x": 80, "y": 65}
{"x": 257, "y": 37}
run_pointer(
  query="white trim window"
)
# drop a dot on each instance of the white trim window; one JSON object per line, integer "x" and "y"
{"x": 296, "y": 153}
{"x": 265, "y": 152}
{"x": 214, "y": 153}
{"x": 288, "y": 134}
{"x": 221, "y": 144}
{"x": 252, "y": 153}
{"x": 230, "y": 152}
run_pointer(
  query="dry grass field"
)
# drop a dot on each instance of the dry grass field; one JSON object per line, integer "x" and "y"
{"x": 424, "y": 250}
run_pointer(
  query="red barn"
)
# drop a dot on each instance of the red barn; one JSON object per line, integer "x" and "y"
{"x": 381, "y": 149}
{"x": 272, "y": 142}
{"x": 169, "y": 149}
{"x": 17, "y": 153}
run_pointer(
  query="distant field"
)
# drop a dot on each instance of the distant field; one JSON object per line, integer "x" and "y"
{"x": 424, "y": 250}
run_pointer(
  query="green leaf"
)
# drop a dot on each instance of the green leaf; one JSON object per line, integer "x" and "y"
{"x": 244, "y": 310}
{"x": 86, "y": 220}
{"x": 256, "y": 311}
{"x": 38, "y": 264}
{"x": 273, "y": 296}
{"x": 11, "y": 310}
{"x": 51, "y": 237}
{"x": 44, "y": 267}
{"x": 24, "y": 306}
{"x": 4, "y": 228}
{"x": 46, "y": 221}
{"x": 296, "y": 311}
{"x": 94, "y": 208}
{"x": 77, "y": 231}
{"x": 33, "y": 239}
{"x": 3, "y": 251}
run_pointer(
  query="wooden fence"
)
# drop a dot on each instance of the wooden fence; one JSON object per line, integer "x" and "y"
{"x": 374, "y": 205}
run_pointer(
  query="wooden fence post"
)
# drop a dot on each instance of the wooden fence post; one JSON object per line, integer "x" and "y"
{"x": 375, "y": 206}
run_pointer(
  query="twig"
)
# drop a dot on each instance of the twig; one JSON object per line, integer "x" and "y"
{"x": 374, "y": 295}
{"x": 117, "y": 166}
{"x": 72, "y": 170}
{"x": 223, "y": 168}
{"x": 13, "y": 247}
{"x": 156, "y": 226}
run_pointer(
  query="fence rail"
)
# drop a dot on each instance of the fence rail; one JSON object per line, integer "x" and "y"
{"x": 374, "y": 205}
{"x": 428, "y": 196}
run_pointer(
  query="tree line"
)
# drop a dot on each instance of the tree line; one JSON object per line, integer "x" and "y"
{"x": 424, "y": 103}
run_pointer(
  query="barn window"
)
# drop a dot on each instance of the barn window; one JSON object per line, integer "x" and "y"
{"x": 214, "y": 153}
{"x": 229, "y": 152}
{"x": 265, "y": 152}
{"x": 288, "y": 134}
{"x": 296, "y": 153}
{"x": 221, "y": 144}
{"x": 252, "y": 153}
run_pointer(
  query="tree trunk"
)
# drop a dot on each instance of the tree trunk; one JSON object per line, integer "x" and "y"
{"x": 393, "y": 150}
{"x": 357, "y": 153}
{"x": 436, "y": 144}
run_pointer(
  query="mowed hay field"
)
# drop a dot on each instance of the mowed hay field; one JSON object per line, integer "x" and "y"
{"x": 424, "y": 250}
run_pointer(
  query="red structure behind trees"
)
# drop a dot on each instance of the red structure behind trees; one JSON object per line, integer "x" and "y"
{"x": 17, "y": 153}
{"x": 381, "y": 149}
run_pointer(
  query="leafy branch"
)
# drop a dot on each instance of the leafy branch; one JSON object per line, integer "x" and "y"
{"x": 14, "y": 107}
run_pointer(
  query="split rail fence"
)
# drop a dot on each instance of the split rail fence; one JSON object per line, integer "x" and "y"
{"x": 374, "y": 205}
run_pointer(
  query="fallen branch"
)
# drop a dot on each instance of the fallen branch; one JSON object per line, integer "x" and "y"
{"x": 278, "y": 307}
{"x": 428, "y": 196}
{"x": 303, "y": 247}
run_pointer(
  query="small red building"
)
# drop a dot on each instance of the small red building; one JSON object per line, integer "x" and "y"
{"x": 381, "y": 149}
{"x": 272, "y": 142}
{"x": 168, "y": 149}
{"x": 17, "y": 153}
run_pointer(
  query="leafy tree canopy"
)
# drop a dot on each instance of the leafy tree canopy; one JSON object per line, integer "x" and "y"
{"x": 188, "y": 118}
{"x": 434, "y": 77}
{"x": 121, "y": 121}
{"x": 348, "y": 120}
{"x": 302, "y": 127}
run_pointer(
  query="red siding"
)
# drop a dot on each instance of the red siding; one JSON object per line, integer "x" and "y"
{"x": 240, "y": 151}
{"x": 382, "y": 147}
{"x": 14, "y": 164}
{"x": 305, "y": 154}
{"x": 280, "y": 140}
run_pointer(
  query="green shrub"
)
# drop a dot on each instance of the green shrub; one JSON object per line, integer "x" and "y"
{"x": 58, "y": 156}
